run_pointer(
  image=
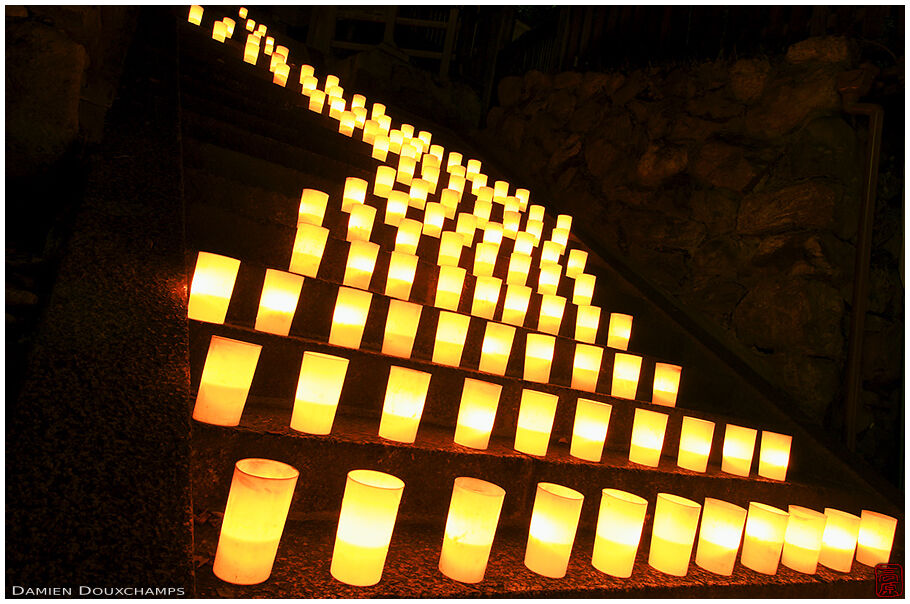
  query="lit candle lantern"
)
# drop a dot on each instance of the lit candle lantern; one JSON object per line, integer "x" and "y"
{"x": 803, "y": 539}
{"x": 619, "y": 331}
{"x": 524, "y": 243}
{"x": 360, "y": 222}
{"x": 385, "y": 123}
{"x": 587, "y": 322}
{"x": 250, "y": 25}
{"x": 456, "y": 183}
{"x": 876, "y": 538}
{"x": 448, "y": 287}
{"x": 470, "y": 527}
{"x": 535, "y": 421}
{"x": 434, "y": 217}
{"x": 219, "y": 31}
{"x": 564, "y": 222}
{"x": 396, "y": 206}
{"x": 496, "y": 348}
{"x": 211, "y": 287}
{"x": 589, "y": 432}
{"x": 473, "y": 167}
{"x": 355, "y": 191}
{"x": 666, "y": 384}
{"x": 548, "y": 280}
{"x": 451, "y": 332}
{"x": 619, "y": 526}
{"x": 306, "y": 71}
{"x": 407, "y": 130}
{"x": 515, "y": 305}
{"x": 254, "y": 517}
{"x": 312, "y": 207}
{"x": 576, "y": 263}
{"x": 371, "y": 131}
{"x": 551, "y": 252}
{"x": 269, "y": 42}
{"x": 282, "y": 51}
{"x": 405, "y": 396}
{"x": 551, "y": 311}
{"x": 454, "y": 159}
{"x": 626, "y": 369}
{"x": 406, "y": 166}
{"x": 330, "y": 82}
{"x": 430, "y": 174}
{"x": 318, "y": 392}
{"x": 449, "y": 198}
{"x": 242, "y": 12}
{"x": 476, "y": 413}
{"x": 429, "y": 161}
{"x": 425, "y": 137}
{"x": 500, "y": 188}
{"x": 764, "y": 538}
{"x": 358, "y": 271}
{"x": 438, "y": 152}
{"x": 486, "y": 295}
{"x": 535, "y": 229}
{"x": 523, "y": 195}
{"x": 538, "y": 357}
{"x": 229, "y": 25}
{"x": 195, "y": 16}
{"x": 648, "y": 429}
{"x": 511, "y": 222}
{"x": 465, "y": 226}
{"x": 554, "y": 521}
{"x": 512, "y": 204}
{"x": 368, "y": 511}
{"x": 720, "y": 535}
{"x": 479, "y": 187}
{"x": 350, "y": 317}
{"x": 360, "y": 116}
{"x": 535, "y": 213}
{"x": 309, "y": 245}
{"x": 485, "y": 258}
{"x": 401, "y": 328}
{"x": 395, "y": 140}
{"x": 336, "y": 107}
{"x": 584, "y": 289}
{"x": 408, "y": 236}
{"x": 410, "y": 150}
{"x": 347, "y": 123}
{"x": 358, "y": 100}
{"x": 457, "y": 171}
{"x": 560, "y": 237}
{"x": 276, "y": 59}
{"x": 281, "y": 78}
{"x": 673, "y": 534}
{"x": 317, "y": 100}
{"x": 383, "y": 183}
{"x": 492, "y": 233}
{"x": 739, "y": 446}
{"x": 586, "y": 367}
{"x": 336, "y": 92}
{"x": 402, "y": 268}
{"x": 482, "y": 210}
{"x": 839, "y": 540}
{"x": 226, "y": 378}
{"x": 280, "y": 293}
{"x": 695, "y": 443}
{"x": 519, "y": 267}
{"x": 377, "y": 111}
{"x": 774, "y": 456}
{"x": 450, "y": 245}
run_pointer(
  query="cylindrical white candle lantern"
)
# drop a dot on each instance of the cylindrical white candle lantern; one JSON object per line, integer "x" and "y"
{"x": 318, "y": 392}
{"x": 524, "y": 243}
{"x": 465, "y": 225}
{"x": 535, "y": 212}
{"x": 552, "y": 308}
{"x": 586, "y": 367}
{"x": 523, "y": 196}
{"x": 492, "y": 233}
{"x": 360, "y": 116}
{"x": 251, "y": 56}
{"x": 477, "y": 413}
{"x": 371, "y": 131}
{"x": 666, "y": 384}
{"x": 278, "y": 302}
{"x": 350, "y": 317}
{"x": 360, "y": 222}
{"x": 500, "y": 188}
{"x": 486, "y": 296}
{"x": 317, "y": 100}
{"x": 211, "y": 287}
{"x": 358, "y": 271}
{"x": 482, "y": 210}
{"x": 496, "y": 348}
{"x": 448, "y": 287}
{"x": 764, "y": 538}
{"x": 406, "y": 167}
{"x": 876, "y": 538}
{"x": 739, "y": 446}
{"x": 519, "y": 267}
{"x": 242, "y": 12}
{"x": 550, "y": 252}
{"x": 535, "y": 228}
{"x": 225, "y": 382}
{"x": 538, "y": 357}
{"x": 434, "y": 217}
{"x": 280, "y": 77}
{"x": 418, "y": 192}
{"x": 450, "y": 245}
{"x": 408, "y": 236}
{"x": 554, "y": 521}
{"x": 695, "y": 443}
{"x": 449, "y": 198}
{"x": 478, "y": 182}
{"x": 535, "y": 421}
{"x": 803, "y": 539}
{"x": 548, "y": 280}
{"x": 309, "y": 245}
{"x": 470, "y": 527}
{"x": 312, "y": 207}
{"x": 254, "y": 517}
{"x": 576, "y": 263}
{"x": 673, "y": 534}
{"x": 774, "y": 456}
{"x": 584, "y": 289}
{"x": 405, "y": 396}
{"x": 381, "y": 149}
{"x": 396, "y": 208}
{"x": 454, "y": 159}
{"x": 377, "y": 110}
{"x": 619, "y": 526}
{"x": 515, "y": 305}
{"x": 560, "y": 237}
{"x": 402, "y": 268}
{"x": 511, "y": 223}
{"x": 839, "y": 540}
{"x": 619, "y": 331}
{"x": 485, "y": 258}
{"x": 368, "y": 511}
{"x": 307, "y": 85}
{"x": 229, "y": 25}
{"x": 587, "y": 322}
{"x": 336, "y": 106}
{"x": 219, "y": 31}
{"x": 401, "y": 328}
{"x": 648, "y": 431}
{"x": 195, "y": 16}
{"x": 451, "y": 332}
{"x": 589, "y": 432}
{"x": 626, "y": 369}
{"x": 720, "y": 535}
{"x": 355, "y": 190}
{"x": 473, "y": 166}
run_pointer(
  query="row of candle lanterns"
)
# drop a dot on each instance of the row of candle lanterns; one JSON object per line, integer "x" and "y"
{"x": 763, "y": 536}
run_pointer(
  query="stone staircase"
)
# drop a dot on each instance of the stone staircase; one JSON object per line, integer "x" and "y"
{"x": 249, "y": 147}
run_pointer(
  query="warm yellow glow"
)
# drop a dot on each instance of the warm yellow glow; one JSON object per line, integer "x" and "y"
{"x": 512, "y": 205}
{"x": 337, "y": 106}
{"x": 429, "y": 172}
{"x": 538, "y": 357}
{"x": 407, "y": 130}
{"x": 448, "y": 287}
{"x": 589, "y": 432}
{"x": 449, "y": 198}
{"x": 619, "y": 332}
{"x": 803, "y": 539}
{"x": 486, "y": 296}
{"x": 269, "y": 42}
{"x": 764, "y": 538}
{"x": 358, "y": 271}
{"x": 360, "y": 116}
{"x": 496, "y": 348}
{"x": 335, "y": 92}
{"x": 385, "y": 123}
{"x": 358, "y": 100}
{"x": 368, "y": 511}
{"x": 242, "y": 12}
{"x": 396, "y": 206}
{"x": 550, "y": 252}
{"x": 395, "y": 141}
{"x": 402, "y": 268}
{"x": 564, "y": 222}
{"x": 535, "y": 421}
{"x": 465, "y": 226}
{"x": 515, "y": 305}
{"x": 695, "y": 443}
{"x": 409, "y": 149}
{"x": 229, "y": 25}
{"x": 309, "y": 245}
{"x": 586, "y": 367}
{"x": 451, "y": 332}
{"x": 195, "y": 16}
{"x": 492, "y": 233}
{"x": 383, "y": 183}
{"x": 584, "y": 289}
{"x": 372, "y": 131}
{"x": 560, "y": 237}
{"x": 535, "y": 213}
{"x": 425, "y": 137}
{"x": 418, "y": 193}
{"x": 317, "y": 101}
{"x": 587, "y": 322}
{"x": 434, "y": 217}
{"x": 401, "y": 328}
{"x": 619, "y": 526}
{"x": 479, "y": 182}
{"x": 454, "y": 159}
{"x": 519, "y": 267}
{"x": 473, "y": 166}
{"x": 511, "y": 222}
{"x": 551, "y": 310}
{"x": 429, "y": 160}
{"x": 438, "y": 152}
{"x": 281, "y": 78}
{"x": 406, "y": 167}
{"x": 377, "y": 111}
{"x": 485, "y": 254}
{"x": 219, "y": 31}
{"x": 254, "y": 517}
{"x": 576, "y": 263}
{"x": 476, "y": 413}
{"x": 524, "y": 243}
{"x": 876, "y": 538}
{"x": 554, "y": 521}
{"x": 350, "y": 317}
{"x": 839, "y": 540}
{"x": 250, "y": 25}
{"x": 548, "y": 281}
{"x": 225, "y": 382}
{"x": 774, "y": 457}
{"x": 306, "y": 71}
{"x": 501, "y": 188}
{"x": 318, "y": 392}
{"x": 626, "y": 369}
{"x": 312, "y": 207}
{"x": 720, "y": 535}
{"x": 355, "y": 192}
{"x": 523, "y": 195}
{"x": 280, "y": 293}
{"x": 211, "y": 287}
{"x": 347, "y": 123}
{"x": 381, "y": 151}
{"x": 450, "y": 245}
{"x": 666, "y": 384}
{"x": 648, "y": 431}
{"x": 281, "y": 50}
{"x": 405, "y": 396}
{"x": 739, "y": 446}
{"x": 470, "y": 527}
{"x": 456, "y": 183}
{"x": 482, "y": 210}
{"x": 673, "y": 534}
{"x": 360, "y": 222}
{"x": 408, "y": 236}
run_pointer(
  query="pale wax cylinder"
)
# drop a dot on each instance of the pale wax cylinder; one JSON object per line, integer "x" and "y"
{"x": 519, "y": 267}
{"x": 554, "y": 522}
{"x": 876, "y": 538}
{"x": 349, "y": 319}
{"x": 451, "y": 332}
{"x": 626, "y": 369}
{"x": 312, "y": 207}
{"x": 552, "y": 308}
{"x": 589, "y": 432}
{"x": 839, "y": 540}
{"x": 803, "y": 539}
{"x": 739, "y": 446}
{"x": 358, "y": 270}
{"x": 401, "y": 328}
{"x": 450, "y": 246}
{"x": 408, "y": 236}
{"x": 587, "y": 322}
{"x": 619, "y": 331}
{"x": 225, "y": 382}
{"x": 538, "y": 357}
{"x": 720, "y": 535}
{"x": 535, "y": 421}
{"x": 405, "y": 396}
{"x": 619, "y": 526}
{"x": 449, "y": 285}
{"x": 318, "y": 392}
{"x": 695, "y": 443}
{"x": 278, "y": 302}
{"x": 496, "y": 348}
{"x": 396, "y": 208}
{"x": 764, "y": 538}
{"x": 673, "y": 534}
{"x": 470, "y": 526}
{"x": 309, "y": 245}
{"x": 485, "y": 254}
{"x": 586, "y": 367}
{"x": 486, "y": 296}
{"x": 211, "y": 287}
{"x": 515, "y": 305}
{"x": 774, "y": 455}
{"x": 360, "y": 222}
{"x": 648, "y": 430}
{"x": 666, "y": 384}
{"x": 402, "y": 268}
{"x": 476, "y": 413}
{"x": 382, "y": 186}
